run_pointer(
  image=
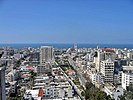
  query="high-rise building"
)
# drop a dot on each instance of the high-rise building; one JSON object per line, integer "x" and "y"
{"x": 2, "y": 84}
{"x": 107, "y": 69}
{"x": 127, "y": 79}
{"x": 127, "y": 76}
{"x": 109, "y": 54}
{"x": 46, "y": 54}
{"x": 101, "y": 55}
{"x": 98, "y": 59}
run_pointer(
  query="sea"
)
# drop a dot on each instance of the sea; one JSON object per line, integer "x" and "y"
{"x": 63, "y": 45}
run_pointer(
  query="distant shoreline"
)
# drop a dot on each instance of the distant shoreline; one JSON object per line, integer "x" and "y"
{"x": 66, "y": 45}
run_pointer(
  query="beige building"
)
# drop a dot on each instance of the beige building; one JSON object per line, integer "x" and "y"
{"x": 46, "y": 54}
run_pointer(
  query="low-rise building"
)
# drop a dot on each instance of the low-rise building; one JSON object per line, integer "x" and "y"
{"x": 113, "y": 92}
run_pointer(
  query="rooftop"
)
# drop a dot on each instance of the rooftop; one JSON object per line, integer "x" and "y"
{"x": 108, "y": 50}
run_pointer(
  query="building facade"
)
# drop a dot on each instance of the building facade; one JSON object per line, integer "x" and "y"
{"x": 127, "y": 79}
{"x": 46, "y": 54}
{"x": 107, "y": 70}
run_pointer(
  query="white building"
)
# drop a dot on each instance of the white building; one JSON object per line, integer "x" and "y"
{"x": 127, "y": 79}
{"x": 128, "y": 68}
{"x": 98, "y": 58}
{"x": 113, "y": 92}
{"x": 32, "y": 95}
{"x": 103, "y": 54}
{"x": 97, "y": 78}
{"x": 127, "y": 76}
{"x": 54, "y": 90}
{"x": 61, "y": 92}
{"x": 2, "y": 84}
{"x": 107, "y": 69}
{"x": 130, "y": 55}
{"x": 46, "y": 54}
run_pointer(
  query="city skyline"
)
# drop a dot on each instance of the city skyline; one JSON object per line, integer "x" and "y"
{"x": 66, "y": 21}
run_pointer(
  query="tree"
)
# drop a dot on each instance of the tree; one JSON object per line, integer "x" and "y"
{"x": 93, "y": 93}
{"x": 122, "y": 97}
{"x": 130, "y": 88}
{"x": 83, "y": 93}
{"x": 33, "y": 74}
{"x": 88, "y": 85}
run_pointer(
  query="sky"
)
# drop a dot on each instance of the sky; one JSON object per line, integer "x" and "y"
{"x": 66, "y": 21}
